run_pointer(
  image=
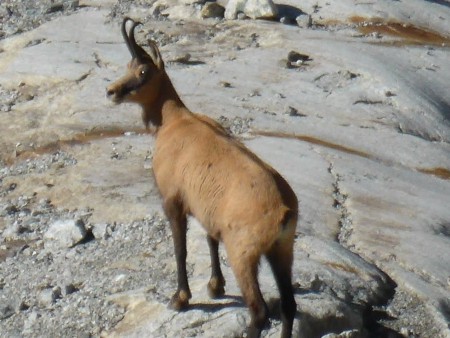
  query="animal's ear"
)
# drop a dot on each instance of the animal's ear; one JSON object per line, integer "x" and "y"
{"x": 155, "y": 55}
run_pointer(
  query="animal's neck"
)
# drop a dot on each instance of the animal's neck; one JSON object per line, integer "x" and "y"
{"x": 168, "y": 105}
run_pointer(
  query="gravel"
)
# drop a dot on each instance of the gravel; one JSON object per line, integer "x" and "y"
{"x": 56, "y": 291}
{"x": 17, "y": 16}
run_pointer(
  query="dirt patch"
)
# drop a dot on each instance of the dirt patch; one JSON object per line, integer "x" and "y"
{"x": 440, "y": 172}
{"x": 409, "y": 34}
{"x": 78, "y": 139}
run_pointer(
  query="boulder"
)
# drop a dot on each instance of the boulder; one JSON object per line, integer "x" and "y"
{"x": 255, "y": 9}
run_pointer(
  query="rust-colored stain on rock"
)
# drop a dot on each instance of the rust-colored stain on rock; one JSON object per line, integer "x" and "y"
{"x": 78, "y": 139}
{"x": 409, "y": 34}
{"x": 442, "y": 173}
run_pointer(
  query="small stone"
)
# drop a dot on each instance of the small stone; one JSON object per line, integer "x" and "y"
{"x": 389, "y": 94}
{"x": 294, "y": 56}
{"x": 11, "y": 232}
{"x": 102, "y": 231}
{"x": 65, "y": 233}
{"x": 6, "y": 311}
{"x": 291, "y": 111}
{"x": 225, "y": 84}
{"x": 183, "y": 59}
{"x": 212, "y": 10}
{"x": 29, "y": 322}
{"x": 304, "y": 21}
{"x": 48, "y": 296}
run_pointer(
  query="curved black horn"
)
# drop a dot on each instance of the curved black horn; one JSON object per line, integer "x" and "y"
{"x": 125, "y": 35}
{"x": 137, "y": 52}
{"x": 129, "y": 38}
{"x": 136, "y": 48}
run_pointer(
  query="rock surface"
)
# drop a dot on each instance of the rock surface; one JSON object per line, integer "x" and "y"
{"x": 360, "y": 129}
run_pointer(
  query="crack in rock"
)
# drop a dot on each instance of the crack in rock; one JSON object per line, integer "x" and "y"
{"x": 345, "y": 220}
{"x": 83, "y": 77}
{"x": 345, "y": 223}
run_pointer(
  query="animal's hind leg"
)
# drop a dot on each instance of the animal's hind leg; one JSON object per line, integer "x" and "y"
{"x": 245, "y": 268}
{"x": 280, "y": 258}
{"x": 216, "y": 283}
{"x": 178, "y": 223}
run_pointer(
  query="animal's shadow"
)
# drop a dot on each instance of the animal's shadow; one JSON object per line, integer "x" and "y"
{"x": 235, "y": 302}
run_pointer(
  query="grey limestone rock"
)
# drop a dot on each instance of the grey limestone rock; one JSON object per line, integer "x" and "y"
{"x": 255, "y": 9}
{"x": 65, "y": 233}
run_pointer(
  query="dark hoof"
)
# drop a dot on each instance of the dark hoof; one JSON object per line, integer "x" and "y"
{"x": 216, "y": 287}
{"x": 180, "y": 301}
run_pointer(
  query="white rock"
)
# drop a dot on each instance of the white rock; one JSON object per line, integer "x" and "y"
{"x": 65, "y": 233}
{"x": 48, "y": 296}
{"x": 304, "y": 21}
{"x": 180, "y": 12}
{"x": 255, "y": 9}
{"x": 11, "y": 232}
{"x": 101, "y": 230}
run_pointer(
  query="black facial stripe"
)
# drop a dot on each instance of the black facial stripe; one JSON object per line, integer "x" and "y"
{"x": 132, "y": 85}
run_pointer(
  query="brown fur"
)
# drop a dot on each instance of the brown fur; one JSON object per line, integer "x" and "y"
{"x": 202, "y": 171}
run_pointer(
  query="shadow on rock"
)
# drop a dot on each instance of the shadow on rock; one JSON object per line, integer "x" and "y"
{"x": 235, "y": 302}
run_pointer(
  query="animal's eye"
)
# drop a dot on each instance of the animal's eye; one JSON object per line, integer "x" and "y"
{"x": 143, "y": 71}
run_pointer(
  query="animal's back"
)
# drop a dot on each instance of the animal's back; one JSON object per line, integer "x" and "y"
{"x": 218, "y": 179}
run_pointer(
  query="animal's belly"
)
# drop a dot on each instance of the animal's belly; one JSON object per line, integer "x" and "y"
{"x": 208, "y": 221}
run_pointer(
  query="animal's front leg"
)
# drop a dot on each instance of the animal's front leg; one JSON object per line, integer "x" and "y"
{"x": 178, "y": 223}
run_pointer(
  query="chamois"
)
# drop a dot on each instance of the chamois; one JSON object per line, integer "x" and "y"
{"x": 201, "y": 170}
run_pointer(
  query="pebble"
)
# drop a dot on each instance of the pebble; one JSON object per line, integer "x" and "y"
{"x": 11, "y": 232}
{"x": 65, "y": 233}
{"x": 102, "y": 231}
{"x": 291, "y": 111}
{"x": 294, "y": 56}
{"x": 29, "y": 322}
{"x": 49, "y": 296}
{"x": 304, "y": 21}
{"x": 225, "y": 84}
{"x": 6, "y": 310}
